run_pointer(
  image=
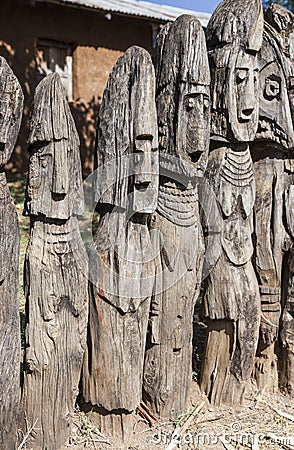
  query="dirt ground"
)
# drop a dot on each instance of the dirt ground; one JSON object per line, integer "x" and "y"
{"x": 258, "y": 425}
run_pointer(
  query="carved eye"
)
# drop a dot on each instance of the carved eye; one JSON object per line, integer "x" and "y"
{"x": 206, "y": 103}
{"x": 272, "y": 88}
{"x": 190, "y": 103}
{"x": 241, "y": 75}
{"x": 255, "y": 75}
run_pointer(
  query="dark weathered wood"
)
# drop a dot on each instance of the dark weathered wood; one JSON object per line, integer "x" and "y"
{"x": 122, "y": 269}
{"x": 183, "y": 107}
{"x": 11, "y": 111}
{"x": 273, "y": 165}
{"x": 160, "y": 41}
{"x": 55, "y": 270}
{"x": 286, "y": 354}
{"x": 54, "y": 180}
{"x": 231, "y": 300}
{"x": 11, "y": 103}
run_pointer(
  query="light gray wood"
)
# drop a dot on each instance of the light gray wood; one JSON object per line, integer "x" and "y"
{"x": 273, "y": 164}
{"x": 56, "y": 286}
{"x": 183, "y": 107}
{"x": 234, "y": 35}
{"x": 11, "y": 104}
{"x": 122, "y": 268}
{"x": 231, "y": 301}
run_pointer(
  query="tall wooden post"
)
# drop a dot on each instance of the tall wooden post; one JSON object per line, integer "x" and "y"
{"x": 183, "y": 107}
{"x": 55, "y": 269}
{"x": 126, "y": 186}
{"x": 274, "y": 168}
{"x": 231, "y": 301}
{"x": 11, "y": 103}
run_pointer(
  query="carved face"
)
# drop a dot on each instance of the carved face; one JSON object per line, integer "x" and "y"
{"x": 55, "y": 169}
{"x": 275, "y": 118}
{"x": 243, "y": 97}
{"x": 52, "y": 189}
{"x": 194, "y": 122}
{"x": 145, "y": 179}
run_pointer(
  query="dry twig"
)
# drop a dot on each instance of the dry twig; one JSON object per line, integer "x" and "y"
{"x": 147, "y": 414}
{"x": 181, "y": 430}
{"x": 27, "y": 435}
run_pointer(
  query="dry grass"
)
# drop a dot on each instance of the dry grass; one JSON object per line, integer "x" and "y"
{"x": 256, "y": 426}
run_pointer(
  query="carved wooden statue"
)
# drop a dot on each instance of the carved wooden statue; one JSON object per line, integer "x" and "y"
{"x": 274, "y": 170}
{"x": 231, "y": 301}
{"x": 286, "y": 355}
{"x": 55, "y": 269}
{"x": 121, "y": 259}
{"x": 11, "y": 102}
{"x": 183, "y": 107}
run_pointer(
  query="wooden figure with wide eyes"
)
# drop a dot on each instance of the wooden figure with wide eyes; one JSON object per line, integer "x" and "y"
{"x": 272, "y": 154}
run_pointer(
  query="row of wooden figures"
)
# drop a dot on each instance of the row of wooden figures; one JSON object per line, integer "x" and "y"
{"x": 215, "y": 202}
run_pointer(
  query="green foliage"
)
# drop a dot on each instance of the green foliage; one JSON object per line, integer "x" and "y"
{"x": 181, "y": 418}
{"x": 287, "y": 3}
{"x": 195, "y": 376}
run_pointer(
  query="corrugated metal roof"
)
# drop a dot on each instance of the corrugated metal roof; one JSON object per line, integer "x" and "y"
{"x": 135, "y": 8}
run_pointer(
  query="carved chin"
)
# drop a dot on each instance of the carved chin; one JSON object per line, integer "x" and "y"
{"x": 242, "y": 119}
{"x": 196, "y": 140}
{"x": 191, "y": 144}
{"x": 244, "y": 131}
{"x": 145, "y": 200}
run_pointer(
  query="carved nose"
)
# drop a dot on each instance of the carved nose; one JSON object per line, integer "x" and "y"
{"x": 247, "y": 112}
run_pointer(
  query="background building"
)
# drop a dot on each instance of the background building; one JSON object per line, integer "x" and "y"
{"x": 81, "y": 40}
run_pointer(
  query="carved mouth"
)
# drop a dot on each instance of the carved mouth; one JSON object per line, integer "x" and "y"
{"x": 246, "y": 115}
{"x": 142, "y": 187}
{"x": 195, "y": 156}
{"x": 57, "y": 197}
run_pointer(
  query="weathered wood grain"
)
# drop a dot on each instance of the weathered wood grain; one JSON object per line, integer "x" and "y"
{"x": 183, "y": 107}
{"x": 286, "y": 353}
{"x": 56, "y": 285}
{"x": 54, "y": 180}
{"x": 234, "y": 35}
{"x": 122, "y": 269}
{"x": 231, "y": 300}
{"x": 273, "y": 166}
{"x": 11, "y": 103}
{"x": 11, "y": 111}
